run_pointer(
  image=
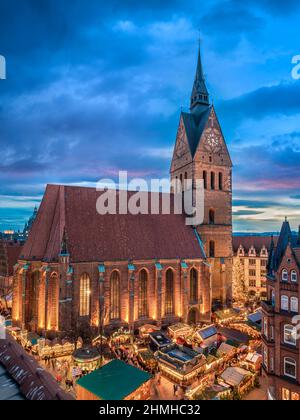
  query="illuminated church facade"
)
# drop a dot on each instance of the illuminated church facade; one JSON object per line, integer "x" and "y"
{"x": 80, "y": 268}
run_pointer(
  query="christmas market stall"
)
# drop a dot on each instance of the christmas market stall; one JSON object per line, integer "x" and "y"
{"x": 158, "y": 340}
{"x": 87, "y": 359}
{"x": 180, "y": 330}
{"x": 239, "y": 379}
{"x": 180, "y": 364}
{"x": 115, "y": 381}
{"x": 145, "y": 330}
{"x": 147, "y": 359}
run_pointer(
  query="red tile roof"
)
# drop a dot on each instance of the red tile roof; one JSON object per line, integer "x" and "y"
{"x": 257, "y": 241}
{"x": 92, "y": 237}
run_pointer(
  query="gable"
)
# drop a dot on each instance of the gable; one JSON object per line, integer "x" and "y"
{"x": 182, "y": 154}
{"x": 212, "y": 141}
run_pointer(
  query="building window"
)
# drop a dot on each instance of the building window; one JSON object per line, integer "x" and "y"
{"x": 252, "y": 273}
{"x": 143, "y": 295}
{"x": 263, "y": 263}
{"x": 85, "y": 295}
{"x": 169, "y": 301}
{"x": 220, "y": 181}
{"x": 265, "y": 327}
{"x": 205, "y": 179}
{"x": 273, "y": 297}
{"x": 115, "y": 312}
{"x": 290, "y": 367}
{"x": 53, "y": 291}
{"x": 212, "y": 180}
{"x": 272, "y": 364}
{"x": 265, "y": 357}
{"x": 252, "y": 283}
{"x": 272, "y": 332}
{"x": 284, "y": 303}
{"x": 211, "y": 217}
{"x": 294, "y": 276}
{"x": 252, "y": 261}
{"x": 290, "y": 335}
{"x": 193, "y": 285}
{"x": 252, "y": 252}
{"x": 212, "y": 251}
{"x": 294, "y": 305}
{"x": 284, "y": 275}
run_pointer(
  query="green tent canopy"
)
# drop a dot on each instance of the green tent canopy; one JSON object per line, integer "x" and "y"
{"x": 114, "y": 381}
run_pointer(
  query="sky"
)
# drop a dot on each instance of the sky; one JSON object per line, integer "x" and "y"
{"x": 94, "y": 87}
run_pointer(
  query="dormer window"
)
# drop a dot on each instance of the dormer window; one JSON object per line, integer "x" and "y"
{"x": 284, "y": 275}
{"x": 294, "y": 276}
{"x": 241, "y": 251}
{"x": 252, "y": 252}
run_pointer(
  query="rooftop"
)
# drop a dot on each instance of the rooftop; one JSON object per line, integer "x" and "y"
{"x": 92, "y": 237}
{"x": 114, "y": 381}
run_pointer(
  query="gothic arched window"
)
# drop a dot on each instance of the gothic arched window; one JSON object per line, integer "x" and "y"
{"x": 143, "y": 294}
{"x": 85, "y": 295}
{"x": 220, "y": 181}
{"x": 211, "y": 217}
{"x": 193, "y": 285}
{"x": 212, "y": 180}
{"x": 53, "y": 302}
{"x": 32, "y": 284}
{"x": 205, "y": 179}
{"x": 115, "y": 312}
{"x": 169, "y": 296}
{"x": 212, "y": 250}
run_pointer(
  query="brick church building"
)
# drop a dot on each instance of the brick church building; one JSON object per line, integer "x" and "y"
{"x": 80, "y": 268}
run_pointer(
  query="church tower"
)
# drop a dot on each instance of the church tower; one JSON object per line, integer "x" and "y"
{"x": 201, "y": 153}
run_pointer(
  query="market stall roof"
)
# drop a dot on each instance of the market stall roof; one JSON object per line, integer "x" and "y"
{"x": 226, "y": 348}
{"x": 226, "y": 314}
{"x": 207, "y": 332}
{"x": 253, "y": 357}
{"x": 180, "y": 326}
{"x": 256, "y": 317}
{"x": 114, "y": 381}
{"x": 234, "y": 376}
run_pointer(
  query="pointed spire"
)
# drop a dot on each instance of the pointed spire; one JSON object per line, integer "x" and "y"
{"x": 200, "y": 95}
{"x": 64, "y": 244}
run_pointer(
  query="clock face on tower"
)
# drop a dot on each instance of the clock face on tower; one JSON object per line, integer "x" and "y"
{"x": 213, "y": 141}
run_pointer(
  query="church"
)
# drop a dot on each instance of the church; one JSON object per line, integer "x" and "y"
{"x": 79, "y": 269}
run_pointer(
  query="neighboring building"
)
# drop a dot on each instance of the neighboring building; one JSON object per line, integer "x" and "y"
{"x": 115, "y": 381}
{"x": 9, "y": 255}
{"x": 201, "y": 154}
{"x": 281, "y": 352}
{"x": 250, "y": 260}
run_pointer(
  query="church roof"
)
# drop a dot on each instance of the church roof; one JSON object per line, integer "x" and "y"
{"x": 194, "y": 126}
{"x": 94, "y": 237}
